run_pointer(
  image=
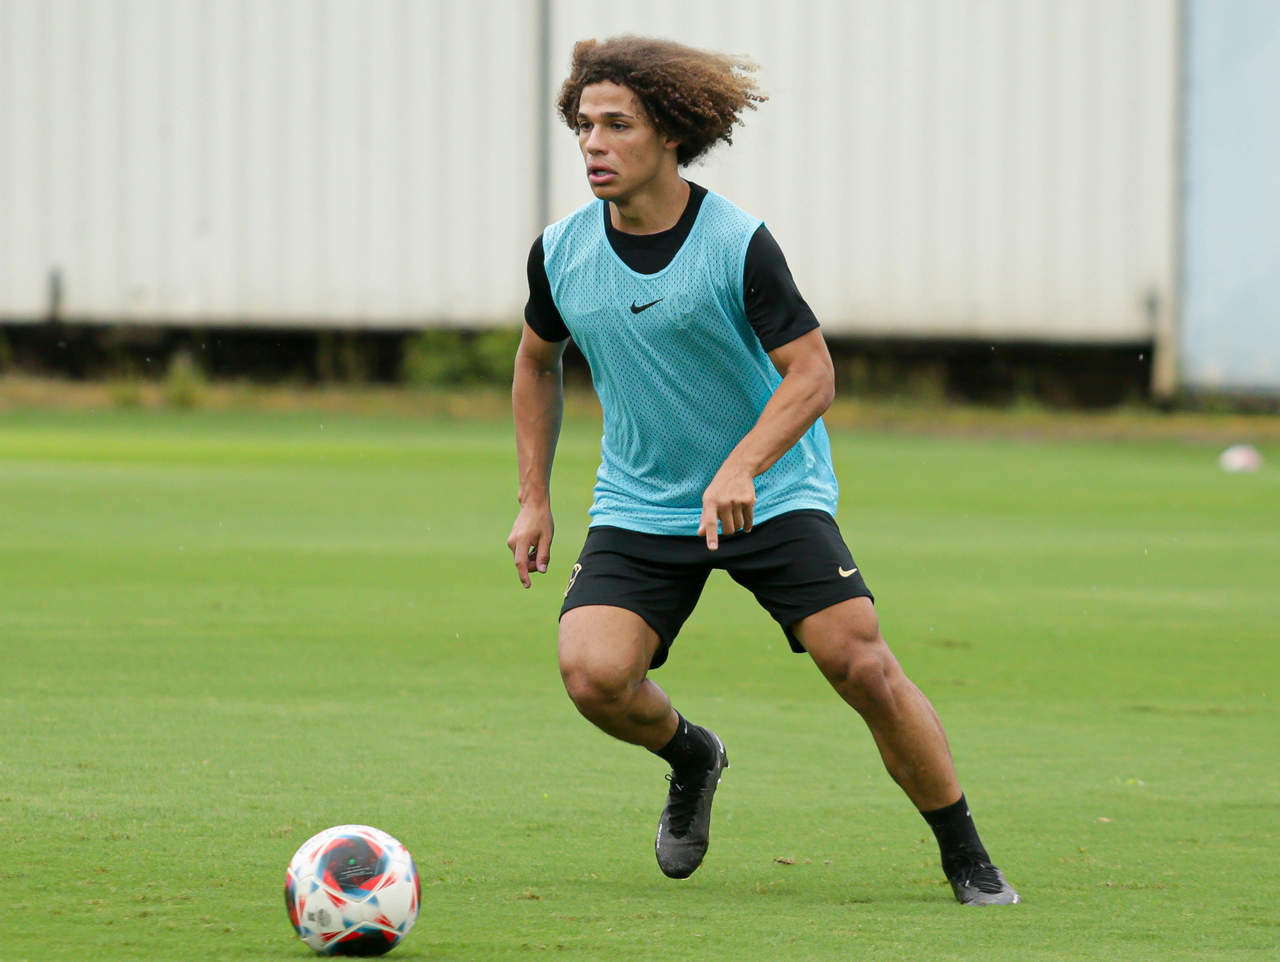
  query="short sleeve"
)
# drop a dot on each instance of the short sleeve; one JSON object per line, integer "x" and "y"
{"x": 775, "y": 309}
{"x": 540, "y": 311}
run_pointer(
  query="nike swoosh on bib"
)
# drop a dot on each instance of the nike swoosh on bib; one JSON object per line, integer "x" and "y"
{"x": 644, "y": 307}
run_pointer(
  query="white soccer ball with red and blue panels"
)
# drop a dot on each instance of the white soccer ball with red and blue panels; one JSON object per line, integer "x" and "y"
{"x": 352, "y": 890}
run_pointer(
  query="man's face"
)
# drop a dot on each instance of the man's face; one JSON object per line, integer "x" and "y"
{"x": 623, "y": 151}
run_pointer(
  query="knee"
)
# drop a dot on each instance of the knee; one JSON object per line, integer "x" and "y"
{"x": 604, "y": 658}
{"x": 863, "y": 671}
{"x": 596, "y": 688}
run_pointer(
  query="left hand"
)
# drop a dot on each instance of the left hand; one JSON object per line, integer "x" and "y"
{"x": 729, "y": 503}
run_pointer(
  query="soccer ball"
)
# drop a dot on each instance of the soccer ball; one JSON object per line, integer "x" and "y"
{"x": 352, "y": 890}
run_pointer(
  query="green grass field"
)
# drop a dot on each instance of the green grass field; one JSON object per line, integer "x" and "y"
{"x": 224, "y": 631}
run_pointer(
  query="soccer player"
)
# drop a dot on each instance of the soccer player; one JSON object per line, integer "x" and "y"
{"x": 713, "y": 376}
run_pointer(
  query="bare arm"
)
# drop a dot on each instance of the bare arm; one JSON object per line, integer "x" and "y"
{"x": 806, "y": 391}
{"x": 537, "y": 401}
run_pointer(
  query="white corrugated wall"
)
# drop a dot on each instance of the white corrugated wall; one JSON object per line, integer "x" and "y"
{"x": 266, "y": 161}
{"x": 960, "y": 168}
{"x": 967, "y": 168}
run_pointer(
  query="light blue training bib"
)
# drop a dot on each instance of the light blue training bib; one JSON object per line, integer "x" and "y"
{"x": 680, "y": 373}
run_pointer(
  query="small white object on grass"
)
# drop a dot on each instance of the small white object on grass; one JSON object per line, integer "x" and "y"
{"x": 1239, "y": 458}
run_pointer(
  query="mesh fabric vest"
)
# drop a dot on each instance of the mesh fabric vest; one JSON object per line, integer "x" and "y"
{"x": 679, "y": 371}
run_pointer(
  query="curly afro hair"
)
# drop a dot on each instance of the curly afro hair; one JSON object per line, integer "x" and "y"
{"x": 692, "y": 96}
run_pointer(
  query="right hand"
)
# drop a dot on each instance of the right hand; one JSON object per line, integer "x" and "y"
{"x": 530, "y": 541}
{"x": 728, "y": 505}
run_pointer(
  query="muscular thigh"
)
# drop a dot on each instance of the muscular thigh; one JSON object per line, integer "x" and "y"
{"x": 606, "y": 643}
{"x": 845, "y": 636}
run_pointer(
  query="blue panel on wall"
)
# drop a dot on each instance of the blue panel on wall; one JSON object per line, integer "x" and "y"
{"x": 1230, "y": 337}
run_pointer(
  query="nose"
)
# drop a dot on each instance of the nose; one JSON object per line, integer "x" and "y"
{"x": 594, "y": 142}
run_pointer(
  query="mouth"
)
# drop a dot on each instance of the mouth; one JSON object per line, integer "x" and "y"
{"x": 600, "y": 174}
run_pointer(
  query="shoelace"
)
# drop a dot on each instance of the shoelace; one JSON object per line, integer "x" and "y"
{"x": 984, "y": 877}
{"x": 683, "y": 804}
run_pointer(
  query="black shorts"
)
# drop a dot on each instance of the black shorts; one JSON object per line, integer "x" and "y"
{"x": 796, "y": 564}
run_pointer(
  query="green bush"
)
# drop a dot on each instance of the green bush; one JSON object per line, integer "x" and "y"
{"x": 442, "y": 358}
{"x": 184, "y": 383}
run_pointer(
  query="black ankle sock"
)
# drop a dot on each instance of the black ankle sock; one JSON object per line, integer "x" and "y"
{"x": 690, "y": 751}
{"x": 957, "y": 836}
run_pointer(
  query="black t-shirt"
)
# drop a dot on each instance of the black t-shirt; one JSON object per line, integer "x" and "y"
{"x": 775, "y": 309}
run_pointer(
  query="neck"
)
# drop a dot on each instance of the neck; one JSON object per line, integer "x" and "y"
{"x": 654, "y": 209}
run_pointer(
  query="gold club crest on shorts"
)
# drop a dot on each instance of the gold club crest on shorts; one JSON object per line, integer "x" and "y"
{"x": 573, "y": 576}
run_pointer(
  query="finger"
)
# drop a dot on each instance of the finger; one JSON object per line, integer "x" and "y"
{"x": 727, "y": 524}
{"x": 707, "y": 526}
{"x": 542, "y": 557}
{"x": 748, "y": 517}
{"x": 521, "y": 552}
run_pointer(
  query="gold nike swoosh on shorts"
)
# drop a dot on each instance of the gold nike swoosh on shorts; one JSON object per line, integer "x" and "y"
{"x": 843, "y": 573}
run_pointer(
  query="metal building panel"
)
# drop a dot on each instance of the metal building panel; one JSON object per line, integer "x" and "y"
{"x": 993, "y": 168}
{"x": 267, "y": 161}
{"x": 1230, "y": 333}
{"x": 990, "y": 168}
{"x": 23, "y": 197}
